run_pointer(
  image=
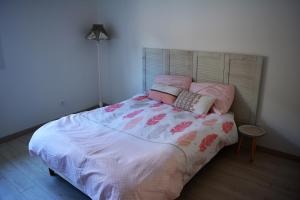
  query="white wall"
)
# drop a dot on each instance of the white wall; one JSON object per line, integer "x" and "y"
{"x": 264, "y": 27}
{"x": 44, "y": 60}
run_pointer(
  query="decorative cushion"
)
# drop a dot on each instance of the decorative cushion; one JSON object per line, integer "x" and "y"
{"x": 182, "y": 82}
{"x": 162, "y": 97}
{"x": 193, "y": 102}
{"x": 224, "y": 94}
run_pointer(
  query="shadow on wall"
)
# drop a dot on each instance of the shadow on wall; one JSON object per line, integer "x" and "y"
{"x": 275, "y": 138}
{"x": 2, "y": 66}
{"x": 262, "y": 88}
{"x": 272, "y": 134}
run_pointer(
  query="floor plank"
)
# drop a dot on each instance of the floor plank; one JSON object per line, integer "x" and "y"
{"x": 8, "y": 191}
{"x": 14, "y": 156}
{"x": 227, "y": 176}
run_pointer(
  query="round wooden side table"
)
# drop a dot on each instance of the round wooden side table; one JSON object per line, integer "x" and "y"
{"x": 252, "y": 132}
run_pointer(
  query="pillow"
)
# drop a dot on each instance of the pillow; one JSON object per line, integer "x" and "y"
{"x": 166, "y": 89}
{"x": 162, "y": 97}
{"x": 182, "y": 82}
{"x": 224, "y": 95}
{"x": 164, "y": 93}
{"x": 193, "y": 102}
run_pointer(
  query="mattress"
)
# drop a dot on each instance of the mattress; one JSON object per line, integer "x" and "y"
{"x": 135, "y": 149}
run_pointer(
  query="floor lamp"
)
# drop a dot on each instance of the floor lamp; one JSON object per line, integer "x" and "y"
{"x": 98, "y": 34}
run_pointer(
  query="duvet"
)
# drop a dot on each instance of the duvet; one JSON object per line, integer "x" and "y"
{"x": 135, "y": 149}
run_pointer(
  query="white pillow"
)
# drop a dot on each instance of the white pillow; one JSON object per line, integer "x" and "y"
{"x": 203, "y": 105}
{"x": 193, "y": 102}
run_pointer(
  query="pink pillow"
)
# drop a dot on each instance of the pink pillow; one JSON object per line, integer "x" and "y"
{"x": 162, "y": 97}
{"x": 224, "y": 94}
{"x": 182, "y": 82}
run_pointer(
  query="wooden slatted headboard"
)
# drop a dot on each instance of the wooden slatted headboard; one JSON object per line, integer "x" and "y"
{"x": 242, "y": 71}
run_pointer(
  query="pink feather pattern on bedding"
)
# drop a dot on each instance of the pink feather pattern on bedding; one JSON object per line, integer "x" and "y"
{"x": 210, "y": 122}
{"x": 227, "y": 127}
{"x": 207, "y": 141}
{"x": 202, "y": 116}
{"x": 133, "y": 123}
{"x": 154, "y": 120}
{"x": 156, "y": 105}
{"x": 186, "y": 140}
{"x": 113, "y": 107}
{"x": 133, "y": 114}
{"x": 180, "y": 127}
{"x": 140, "y": 98}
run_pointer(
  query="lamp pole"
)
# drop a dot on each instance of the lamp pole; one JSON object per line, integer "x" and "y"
{"x": 99, "y": 56}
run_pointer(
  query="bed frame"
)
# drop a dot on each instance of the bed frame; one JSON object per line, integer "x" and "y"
{"x": 242, "y": 71}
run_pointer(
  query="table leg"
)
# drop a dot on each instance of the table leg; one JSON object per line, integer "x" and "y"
{"x": 253, "y": 149}
{"x": 239, "y": 145}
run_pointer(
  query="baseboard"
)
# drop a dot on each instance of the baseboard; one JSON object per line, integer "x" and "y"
{"x": 247, "y": 144}
{"x": 34, "y": 128}
{"x": 19, "y": 133}
{"x": 278, "y": 153}
{"x": 88, "y": 109}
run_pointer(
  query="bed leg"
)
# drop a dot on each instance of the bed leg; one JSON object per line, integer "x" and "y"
{"x": 51, "y": 172}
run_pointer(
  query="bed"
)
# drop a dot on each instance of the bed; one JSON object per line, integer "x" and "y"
{"x": 144, "y": 149}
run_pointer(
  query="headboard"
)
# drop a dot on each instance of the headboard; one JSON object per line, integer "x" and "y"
{"x": 242, "y": 71}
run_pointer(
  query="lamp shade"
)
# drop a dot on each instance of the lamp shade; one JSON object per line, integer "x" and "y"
{"x": 97, "y": 33}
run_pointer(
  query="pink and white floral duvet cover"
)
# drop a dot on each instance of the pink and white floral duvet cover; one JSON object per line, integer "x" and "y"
{"x": 136, "y": 149}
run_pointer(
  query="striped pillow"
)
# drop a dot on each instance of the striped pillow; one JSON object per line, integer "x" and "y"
{"x": 164, "y": 93}
{"x": 193, "y": 102}
{"x": 166, "y": 89}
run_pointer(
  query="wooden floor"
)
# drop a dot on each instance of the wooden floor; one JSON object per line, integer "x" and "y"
{"x": 227, "y": 176}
